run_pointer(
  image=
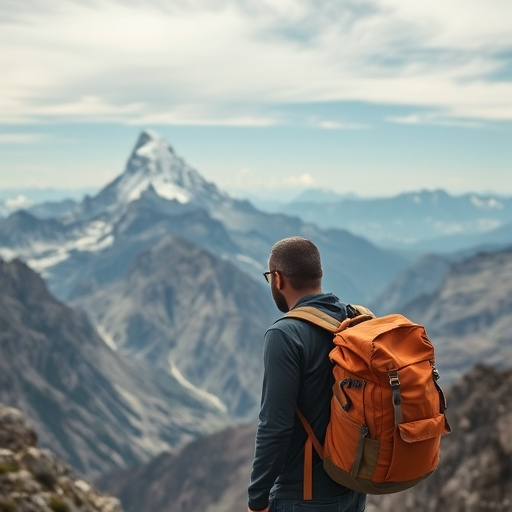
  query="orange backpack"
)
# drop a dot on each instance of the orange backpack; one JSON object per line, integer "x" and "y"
{"x": 387, "y": 409}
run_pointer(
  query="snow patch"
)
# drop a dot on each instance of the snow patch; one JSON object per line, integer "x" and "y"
{"x": 7, "y": 254}
{"x": 41, "y": 256}
{"x": 250, "y": 261}
{"x": 201, "y": 393}
{"x": 171, "y": 191}
{"x": 486, "y": 203}
{"x": 97, "y": 236}
{"x": 134, "y": 186}
{"x": 40, "y": 264}
{"x": 107, "y": 338}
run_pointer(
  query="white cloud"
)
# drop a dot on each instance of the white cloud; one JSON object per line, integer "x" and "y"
{"x": 302, "y": 180}
{"x": 23, "y": 138}
{"x": 432, "y": 119}
{"x": 247, "y": 178}
{"x": 336, "y": 125}
{"x": 232, "y": 62}
{"x": 203, "y": 115}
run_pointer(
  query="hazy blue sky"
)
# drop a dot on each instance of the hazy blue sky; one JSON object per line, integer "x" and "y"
{"x": 372, "y": 97}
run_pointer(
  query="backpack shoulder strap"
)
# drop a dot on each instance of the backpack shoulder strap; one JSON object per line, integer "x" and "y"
{"x": 327, "y": 322}
{"x": 315, "y": 316}
{"x": 362, "y": 310}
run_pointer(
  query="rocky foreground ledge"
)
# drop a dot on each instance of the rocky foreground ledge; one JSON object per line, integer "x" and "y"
{"x": 34, "y": 480}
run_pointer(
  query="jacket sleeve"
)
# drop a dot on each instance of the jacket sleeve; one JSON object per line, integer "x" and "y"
{"x": 281, "y": 381}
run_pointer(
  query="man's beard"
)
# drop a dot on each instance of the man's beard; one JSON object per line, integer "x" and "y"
{"x": 279, "y": 299}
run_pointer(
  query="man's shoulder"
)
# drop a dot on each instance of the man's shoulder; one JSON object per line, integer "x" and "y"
{"x": 284, "y": 324}
{"x": 291, "y": 328}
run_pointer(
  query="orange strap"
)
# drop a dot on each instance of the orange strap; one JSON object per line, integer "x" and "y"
{"x": 308, "y": 456}
{"x": 311, "y": 435}
{"x": 308, "y": 470}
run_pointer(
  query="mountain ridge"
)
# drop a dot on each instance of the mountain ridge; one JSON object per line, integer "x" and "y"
{"x": 421, "y": 221}
{"x": 93, "y": 407}
{"x": 155, "y": 313}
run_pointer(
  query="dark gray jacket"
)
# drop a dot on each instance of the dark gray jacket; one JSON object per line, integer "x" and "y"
{"x": 297, "y": 373}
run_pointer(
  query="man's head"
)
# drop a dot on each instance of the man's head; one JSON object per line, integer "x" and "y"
{"x": 296, "y": 270}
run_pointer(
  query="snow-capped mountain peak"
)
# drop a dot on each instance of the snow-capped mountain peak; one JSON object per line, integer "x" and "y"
{"x": 154, "y": 166}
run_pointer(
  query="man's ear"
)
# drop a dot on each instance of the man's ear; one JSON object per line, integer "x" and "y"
{"x": 279, "y": 280}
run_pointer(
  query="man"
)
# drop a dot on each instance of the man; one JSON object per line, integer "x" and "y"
{"x": 297, "y": 374}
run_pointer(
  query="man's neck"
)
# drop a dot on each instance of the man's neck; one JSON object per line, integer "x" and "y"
{"x": 299, "y": 295}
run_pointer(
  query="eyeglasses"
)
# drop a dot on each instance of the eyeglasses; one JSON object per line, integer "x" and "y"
{"x": 266, "y": 275}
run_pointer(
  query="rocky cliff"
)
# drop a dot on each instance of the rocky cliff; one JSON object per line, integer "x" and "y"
{"x": 34, "y": 480}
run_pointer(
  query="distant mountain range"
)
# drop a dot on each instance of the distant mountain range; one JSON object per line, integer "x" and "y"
{"x": 97, "y": 240}
{"x": 419, "y": 221}
{"x": 13, "y": 199}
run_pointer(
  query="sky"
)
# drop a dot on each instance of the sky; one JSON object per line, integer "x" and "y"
{"x": 267, "y": 97}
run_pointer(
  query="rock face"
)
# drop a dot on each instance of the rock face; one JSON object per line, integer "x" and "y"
{"x": 181, "y": 309}
{"x": 92, "y": 406}
{"x": 421, "y": 279}
{"x": 34, "y": 480}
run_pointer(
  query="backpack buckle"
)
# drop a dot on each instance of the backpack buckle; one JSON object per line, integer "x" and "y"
{"x": 394, "y": 381}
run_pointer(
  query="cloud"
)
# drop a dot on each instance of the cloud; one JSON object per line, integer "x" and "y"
{"x": 303, "y": 180}
{"x": 432, "y": 119}
{"x": 247, "y": 178}
{"x": 24, "y": 138}
{"x": 235, "y": 63}
{"x": 336, "y": 125}
{"x": 15, "y": 203}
